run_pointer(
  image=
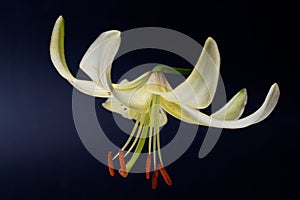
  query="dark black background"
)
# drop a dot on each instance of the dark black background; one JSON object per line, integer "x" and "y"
{"x": 41, "y": 155}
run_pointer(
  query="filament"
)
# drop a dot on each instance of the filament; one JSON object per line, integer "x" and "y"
{"x": 137, "y": 135}
{"x": 158, "y": 146}
{"x": 130, "y": 136}
{"x": 150, "y": 139}
{"x": 154, "y": 149}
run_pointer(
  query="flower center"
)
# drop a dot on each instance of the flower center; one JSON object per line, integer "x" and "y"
{"x": 147, "y": 126}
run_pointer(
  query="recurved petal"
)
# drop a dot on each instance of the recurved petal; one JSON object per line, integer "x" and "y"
{"x": 57, "y": 52}
{"x": 57, "y": 55}
{"x": 138, "y": 99}
{"x": 163, "y": 119}
{"x": 194, "y": 116}
{"x": 157, "y": 115}
{"x": 234, "y": 108}
{"x": 198, "y": 89}
{"x": 115, "y": 106}
{"x": 139, "y": 95}
{"x": 132, "y": 85}
{"x": 158, "y": 83}
{"x": 100, "y": 55}
{"x": 90, "y": 88}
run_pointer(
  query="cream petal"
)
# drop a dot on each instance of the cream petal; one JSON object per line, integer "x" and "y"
{"x": 90, "y": 88}
{"x": 158, "y": 83}
{"x": 117, "y": 107}
{"x": 58, "y": 58}
{"x": 113, "y": 105}
{"x": 162, "y": 116}
{"x": 100, "y": 55}
{"x": 132, "y": 85}
{"x": 138, "y": 100}
{"x": 193, "y": 116}
{"x": 57, "y": 49}
{"x": 198, "y": 89}
{"x": 138, "y": 97}
{"x": 157, "y": 115}
{"x": 234, "y": 108}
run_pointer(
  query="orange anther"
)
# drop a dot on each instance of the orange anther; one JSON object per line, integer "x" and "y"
{"x": 154, "y": 179}
{"x": 165, "y": 175}
{"x": 110, "y": 164}
{"x": 122, "y": 171}
{"x": 148, "y": 165}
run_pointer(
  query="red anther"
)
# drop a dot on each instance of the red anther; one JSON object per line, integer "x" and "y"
{"x": 110, "y": 164}
{"x": 122, "y": 171}
{"x": 148, "y": 165}
{"x": 154, "y": 179}
{"x": 165, "y": 175}
{"x": 122, "y": 161}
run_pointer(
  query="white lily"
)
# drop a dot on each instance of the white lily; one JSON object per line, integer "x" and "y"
{"x": 147, "y": 98}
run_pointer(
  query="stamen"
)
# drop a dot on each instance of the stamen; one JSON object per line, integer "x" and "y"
{"x": 130, "y": 136}
{"x": 165, "y": 175}
{"x": 158, "y": 146}
{"x": 148, "y": 165}
{"x": 150, "y": 139}
{"x": 138, "y": 148}
{"x": 122, "y": 171}
{"x": 110, "y": 164}
{"x": 124, "y": 174}
{"x": 154, "y": 149}
{"x": 137, "y": 135}
{"x": 154, "y": 114}
{"x": 132, "y": 132}
{"x": 154, "y": 179}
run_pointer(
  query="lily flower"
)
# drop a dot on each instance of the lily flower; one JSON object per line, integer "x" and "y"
{"x": 147, "y": 98}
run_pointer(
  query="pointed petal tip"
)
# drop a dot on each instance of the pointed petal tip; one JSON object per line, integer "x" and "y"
{"x": 275, "y": 89}
{"x": 113, "y": 33}
{"x": 244, "y": 90}
{"x": 276, "y": 85}
{"x": 210, "y": 40}
{"x": 60, "y": 20}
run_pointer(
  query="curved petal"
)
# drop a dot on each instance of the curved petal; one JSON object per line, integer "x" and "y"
{"x": 190, "y": 115}
{"x": 57, "y": 52}
{"x": 158, "y": 83}
{"x": 138, "y": 100}
{"x": 90, "y": 88}
{"x": 115, "y": 106}
{"x": 127, "y": 86}
{"x": 234, "y": 108}
{"x": 163, "y": 119}
{"x": 57, "y": 55}
{"x": 139, "y": 97}
{"x": 198, "y": 89}
{"x": 100, "y": 55}
{"x": 157, "y": 116}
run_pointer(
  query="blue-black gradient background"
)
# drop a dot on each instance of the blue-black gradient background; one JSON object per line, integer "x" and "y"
{"x": 41, "y": 155}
